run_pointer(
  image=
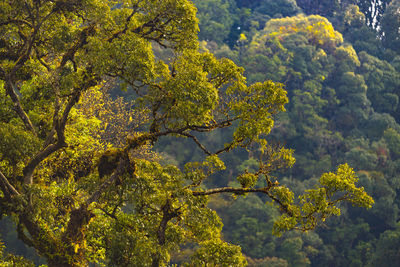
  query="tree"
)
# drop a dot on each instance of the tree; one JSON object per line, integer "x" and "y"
{"x": 324, "y": 8}
{"x": 11, "y": 260}
{"x": 390, "y": 26}
{"x": 215, "y": 19}
{"x": 387, "y": 248}
{"x": 373, "y": 10}
{"x": 79, "y": 197}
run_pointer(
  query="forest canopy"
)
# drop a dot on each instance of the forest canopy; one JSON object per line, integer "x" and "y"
{"x": 90, "y": 91}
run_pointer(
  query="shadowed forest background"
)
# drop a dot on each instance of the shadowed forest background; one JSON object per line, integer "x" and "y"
{"x": 339, "y": 62}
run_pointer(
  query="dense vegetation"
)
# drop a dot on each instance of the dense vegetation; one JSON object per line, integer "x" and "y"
{"x": 342, "y": 76}
{"x": 121, "y": 134}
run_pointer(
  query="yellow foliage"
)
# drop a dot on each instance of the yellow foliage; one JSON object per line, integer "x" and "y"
{"x": 242, "y": 37}
{"x": 317, "y": 30}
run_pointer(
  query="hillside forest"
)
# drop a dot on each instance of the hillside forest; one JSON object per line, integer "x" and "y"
{"x": 199, "y": 133}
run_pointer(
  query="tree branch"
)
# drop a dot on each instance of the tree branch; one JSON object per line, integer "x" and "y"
{"x": 42, "y": 155}
{"x": 122, "y": 167}
{"x": 10, "y": 86}
{"x": 141, "y": 140}
{"x": 16, "y": 21}
{"x": 47, "y": 151}
{"x": 215, "y": 125}
{"x": 123, "y": 31}
{"x": 239, "y": 191}
{"x": 168, "y": 214}
{"x": 39, "y": 58}
{"x": 264, "y": 190}
{"x": 6, "y": 187}
{"x": 200, "y": 145}
{"x": 85, "y": 33}
{"x": 17, "y": 105}
{"x": 23, "y": 237}
{"x": 225, "y": 149}
{"x": 60, "y": 123}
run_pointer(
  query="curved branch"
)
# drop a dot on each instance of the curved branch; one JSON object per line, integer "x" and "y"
{"x": 42, "y": 155}
{"x": 59, "y": 127}
{"x": 50, "y": 149}
{"x": 70, "y": 54}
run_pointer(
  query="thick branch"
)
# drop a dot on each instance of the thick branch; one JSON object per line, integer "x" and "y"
{"x": 60, "y": 123}
{"x": 23, "y": 237}
{"x": 42, "y": 155}
{"x": 122, "y": 167}
{"x": 6, "y": 187}
{"x": 17, "y": 105}
{"x": 59, "y": 126}
{"x": 79, "y": 218}
{"x": 85, "y": 33}
{"x": 168, "y": 214}
{"x": 47, "y": 151}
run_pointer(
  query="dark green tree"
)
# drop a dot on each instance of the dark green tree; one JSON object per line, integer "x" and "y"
{"x": 390, "y": 26}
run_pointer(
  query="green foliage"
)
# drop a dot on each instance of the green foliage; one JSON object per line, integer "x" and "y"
{"x": 76, "y": 171}
{"x": 316, "y": 29}
{"x": 152, "y": 187}
{"x": 216, "y": 254}
{"x": 16, "y": 143}
{"x": 334, "y": 187}
{"x": 381, "y": 79}
{"x": 216, "y": 18}
{"x": 267, "y": 261}
{"x": 9, "y": 260}
{"x": 387, "y": 245}
{"x": 290, "y": 251}
{"x": 392, "y": 138}
{"x": 391, "y": 22}
{"x": 247, "y": 179}
{"x": 343, "y": 108}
